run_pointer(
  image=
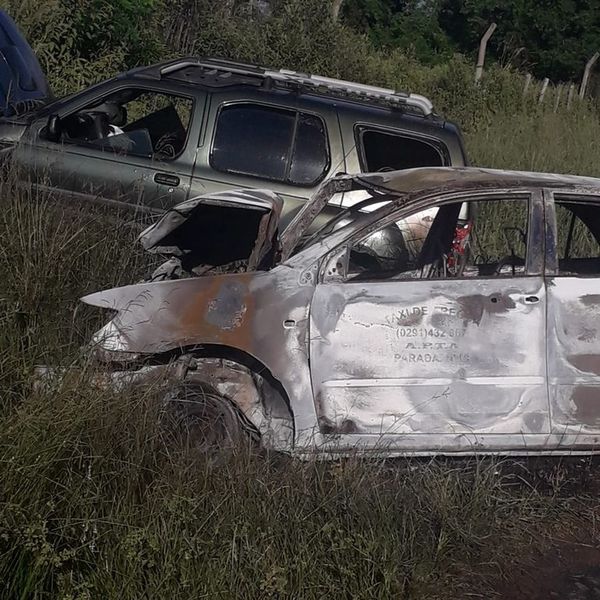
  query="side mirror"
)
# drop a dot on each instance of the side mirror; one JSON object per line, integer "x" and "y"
{"x": 53, "y": 128}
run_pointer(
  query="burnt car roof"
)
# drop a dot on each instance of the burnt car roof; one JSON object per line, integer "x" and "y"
{"x": 424, "y": 179}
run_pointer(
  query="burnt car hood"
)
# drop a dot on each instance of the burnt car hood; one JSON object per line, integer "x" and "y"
{"x": 218, "y": 229}
{"x": 23, "y": 83}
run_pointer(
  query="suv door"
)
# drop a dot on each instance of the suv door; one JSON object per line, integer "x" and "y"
{"x": 125, "y": 144}
{"x": 439, "y": 345}
{"x": 573, "y": 283}
{"x": 259, "y": 143}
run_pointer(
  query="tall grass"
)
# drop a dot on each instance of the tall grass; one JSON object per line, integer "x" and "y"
{"x": 101, "y": 499}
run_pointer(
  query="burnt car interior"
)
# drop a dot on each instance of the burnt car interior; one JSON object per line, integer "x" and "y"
{"x": 465, "y": 239}
{"x": 578, "y": 229}
{"x": 132, "y": 121}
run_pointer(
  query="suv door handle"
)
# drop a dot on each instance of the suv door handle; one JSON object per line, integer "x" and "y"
{"x": 531, "y": 299}
{"x": 167, "y": 179}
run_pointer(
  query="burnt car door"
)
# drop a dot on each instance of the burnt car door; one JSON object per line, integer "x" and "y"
{"x": 439, "y": 344}
{"x": 121, "y": 144}
{"x": 573, "y": 283}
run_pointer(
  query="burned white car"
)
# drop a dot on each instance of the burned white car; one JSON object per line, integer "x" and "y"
{"x": 452, "y": 311}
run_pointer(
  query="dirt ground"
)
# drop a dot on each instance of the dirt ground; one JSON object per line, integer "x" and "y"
{"x": 565, "y": 564}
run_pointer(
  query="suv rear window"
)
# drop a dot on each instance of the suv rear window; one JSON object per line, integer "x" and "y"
{"x": 390, "y": 151}
{"x": 271, "y": 143}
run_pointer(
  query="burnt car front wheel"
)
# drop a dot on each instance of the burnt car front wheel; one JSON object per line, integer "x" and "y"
{"x": 205, "y": 420}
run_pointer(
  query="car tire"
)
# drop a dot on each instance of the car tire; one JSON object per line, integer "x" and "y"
{"x": 205, "y": 420}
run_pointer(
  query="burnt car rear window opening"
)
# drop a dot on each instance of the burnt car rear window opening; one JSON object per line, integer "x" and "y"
{"x": 136, "y": 122}
{"x": 578, "y": 235}
{"x": 271, "y": 143}
{"x": 389, "y": 151}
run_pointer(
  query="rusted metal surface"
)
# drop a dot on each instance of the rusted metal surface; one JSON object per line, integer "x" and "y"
{"x": 500, "y": 363}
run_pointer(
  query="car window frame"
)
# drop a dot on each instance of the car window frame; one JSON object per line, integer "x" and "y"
{"x": 334, "y": 265}
{"x": 551, "y": 228}
{"x": 361, "y": 126}
{"x": 276, "y": 107}
{"x": 79, "y": 103}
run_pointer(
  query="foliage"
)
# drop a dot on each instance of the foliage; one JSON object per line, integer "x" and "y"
{"x": 554, "y": 38}
{"x": 410, "y": 25}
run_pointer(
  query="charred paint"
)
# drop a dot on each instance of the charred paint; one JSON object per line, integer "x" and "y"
{"x": 586, "y": 399}
{"x": 228, "y": 307}
{"x": 473, "y": 308}
{"x": 534, "y": 422}
{"x": 326, "y": 318}
{"x": 587, "y": 363}
{"x": 590, "y": 300}
{"x": 221, "y": 313}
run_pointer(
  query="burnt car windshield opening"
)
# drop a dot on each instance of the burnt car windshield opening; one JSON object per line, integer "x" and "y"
{"x": 345, "y": 217}
{"x": 137, "y": 122}
{"x": 271, "y": 143}
{"x": 578, "y": 236}
{"x": 389, "y": 151}
{"x": 478, "y": 238}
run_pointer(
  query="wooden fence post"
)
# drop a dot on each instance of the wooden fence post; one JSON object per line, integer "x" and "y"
{"x": 335, "y": 9}
{"x": 544, "y": 88}
{"x": 482, "y": 48}
{"x": 559, "y": 88}
{"x": 586, "y": 74}
{"x": 527, "y": 84}
{"x": 570, "y": 96}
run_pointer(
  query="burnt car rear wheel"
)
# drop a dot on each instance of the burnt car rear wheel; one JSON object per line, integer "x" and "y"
{"x": 205, "y": 420}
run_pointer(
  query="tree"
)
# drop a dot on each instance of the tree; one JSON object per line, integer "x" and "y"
{"x": 409, "y": 24}
{"x": 556, "y": 36}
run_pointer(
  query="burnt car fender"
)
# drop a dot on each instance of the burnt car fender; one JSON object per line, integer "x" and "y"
{"x": 260, "y": 316}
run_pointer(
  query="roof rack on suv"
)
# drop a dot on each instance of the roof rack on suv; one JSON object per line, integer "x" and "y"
{"x": 226, "y": 69}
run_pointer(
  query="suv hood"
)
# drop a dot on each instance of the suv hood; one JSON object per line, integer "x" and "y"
{"x": 218, "y": 229}
{"x": 22, "y": 80}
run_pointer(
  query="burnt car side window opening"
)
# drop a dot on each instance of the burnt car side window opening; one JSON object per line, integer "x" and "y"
{"x": 387, "y": 150}
{"x": 132, "y": 122}
{"x": 271, "y": 143}
{"x": 462, "y": 239}
{"x": 578, "y": 236}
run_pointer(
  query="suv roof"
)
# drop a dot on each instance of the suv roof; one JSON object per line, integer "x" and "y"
{"x": 223, "y": 73}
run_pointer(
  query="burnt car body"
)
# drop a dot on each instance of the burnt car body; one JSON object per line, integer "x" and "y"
{"x": 483, "y": 340}
{"x": 153, "y": 137}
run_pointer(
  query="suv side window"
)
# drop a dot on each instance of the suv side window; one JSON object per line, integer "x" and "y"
{"x": 382, "y": 150}
{"x": 271, "y": 143}
{"x": 134, "y": 122}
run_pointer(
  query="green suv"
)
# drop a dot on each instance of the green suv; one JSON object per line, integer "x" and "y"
{"x": 155, "y": 136}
